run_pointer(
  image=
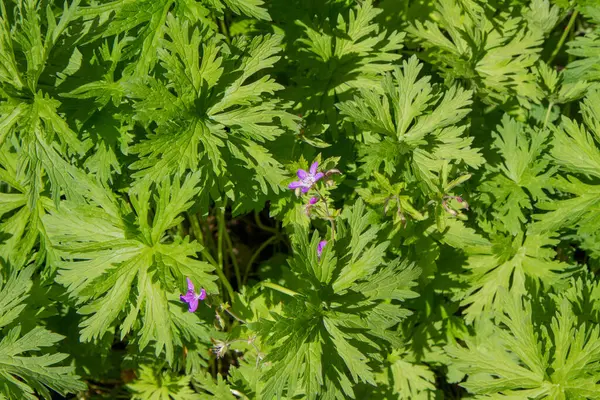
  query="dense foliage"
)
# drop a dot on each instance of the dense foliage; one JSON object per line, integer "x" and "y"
{"x": 299, "y": 199}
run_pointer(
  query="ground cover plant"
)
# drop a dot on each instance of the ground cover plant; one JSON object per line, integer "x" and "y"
{"x": 298, "y": 199}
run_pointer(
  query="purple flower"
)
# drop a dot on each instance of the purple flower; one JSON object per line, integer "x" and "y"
{"x": 320, "y": 247}
{"x": 307, "y": 179}
{"x": 191, "y": 297}
{"x": 313, "y": 200}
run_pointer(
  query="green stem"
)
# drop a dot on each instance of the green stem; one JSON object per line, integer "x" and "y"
{"x": 329, "y": 217}
{"x": 564, "y": 36}
{"x": 234, "y": 316}
{"x": 221, "y": 222}
{"x": 263, "y": 226}
{"x": 195, "y": 227}
{"x": 236, "y": 267}
{"x": 280, "y": 288}
{"x": 209, "y": 257}
{"x": 255, "y": 256}
{"x": 221, "y": 226}
{"x": 223, "y": 279}
{"x": 224, "y": 29}
{"x": 204, "y": 251}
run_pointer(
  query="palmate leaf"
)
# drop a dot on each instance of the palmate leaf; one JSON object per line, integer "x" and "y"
{"x": 23, "y": 374}
{"x": 411, "y": 380}
{"x": 586, "y": 68}
{"x": 412, "y": 119}
{"x": 161, "y": 385}
{"x": 509, "y": 262}
{"x": 336, "y": 51}
{"x": 36, "y": 126}
{"x": 25, "y": 201}
{"x": 516, "y": 359}
{"x": 107, "y": 252}
{"x": 216, "y": 390}
{"x": 144, "y": 20}
{"x": 14, "y": 289}
{"x": 557, "y": 89}
{"x": 38, "y": 148}
{"x": 212, "y": 109}
{"x": 251, "y": 8}
{"x": 340, "y": 312}
{"x": 575, "y": 150}
{"x": 18, "y": 224}
{"x": 36, "y": 122}
{"x": 494, "y": 54}
{"x": 25, "y": 43}
{"x": 146, "y": 23}
{"x": 522, "y": 178}
{"x": 359, "y": 57}
{"x": 585, "y": 48}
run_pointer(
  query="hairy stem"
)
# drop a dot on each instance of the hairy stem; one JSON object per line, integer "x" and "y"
{"x": 329, "y": 216}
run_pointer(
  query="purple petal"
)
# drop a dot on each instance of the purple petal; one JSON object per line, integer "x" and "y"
{"x": 319, "y": 176}
{"x": 188, "y": 297}
{"x": 305, "y": 189}
{"x": 295, "y": 185}
{"x": 313, "y": 200}
{"x": 193, "y": 305}
{"x": 190, "y": 284}
{"x": 320, "y": 247}
{"x": 202, "y": 294}
{"x": 302, "y": 174}
{"x": 313, "y": 167}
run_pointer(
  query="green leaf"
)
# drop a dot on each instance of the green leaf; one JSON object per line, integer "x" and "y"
{"x": 575, "y": 150}
{"x": 509, "y": 263}
{"x": 161, "y": 385}
{"x": 22, "y": 374}
{"x": 517, "y": 359}
{"x": 13, "y": 293}
{"x": 216, "y": 112}
{"x": 416, "y": 125}
{"x": 522, "y": 178}
{"x": 495, "y": 51}
{"x": 412, "y": 380}
{"x": 251, "y": 8}
{"x": 106, "y": 256}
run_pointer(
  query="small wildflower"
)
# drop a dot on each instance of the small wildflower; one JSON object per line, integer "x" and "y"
{"x": 311, "y": 202}
{"x": 307, "y": 179}
{"x": 191, "y": 297}
{"x": 220, "y": 348}
{"x": 320, "y": 247}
